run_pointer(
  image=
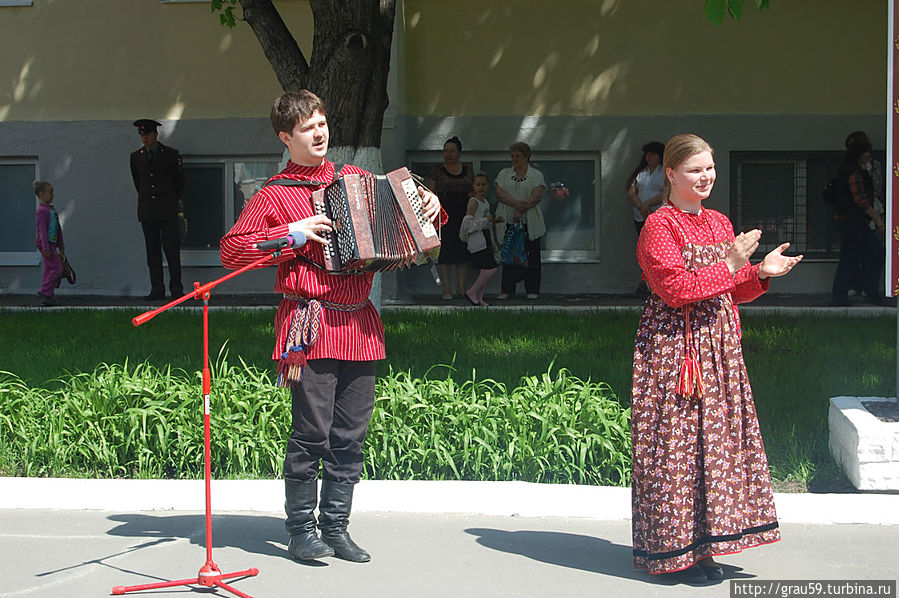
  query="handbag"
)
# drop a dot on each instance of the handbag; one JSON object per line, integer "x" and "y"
{"x": 514, "y": 252}
{"x": 67, "y": 271}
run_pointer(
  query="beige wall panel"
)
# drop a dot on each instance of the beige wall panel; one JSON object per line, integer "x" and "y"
{"x": 592, "y": 57}
{"x": 112, "y": 59}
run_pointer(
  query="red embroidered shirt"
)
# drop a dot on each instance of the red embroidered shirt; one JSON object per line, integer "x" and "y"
{"x": 659, "y": 252}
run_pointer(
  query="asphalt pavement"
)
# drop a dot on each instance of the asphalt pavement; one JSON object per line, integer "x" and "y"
{"x": 82, "y": 538}
{"x": 432, "y": 539}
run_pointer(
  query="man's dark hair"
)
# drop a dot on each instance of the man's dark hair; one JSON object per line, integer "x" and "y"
{"x": 293, "y": 107}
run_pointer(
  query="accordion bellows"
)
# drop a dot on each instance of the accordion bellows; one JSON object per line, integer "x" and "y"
{"x": 378, "y": 223}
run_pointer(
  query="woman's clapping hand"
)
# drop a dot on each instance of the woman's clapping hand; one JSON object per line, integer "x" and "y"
{"x": 777, "y": 264}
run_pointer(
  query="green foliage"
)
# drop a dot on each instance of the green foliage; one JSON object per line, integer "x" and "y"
{"x": 226, "y": 8}
{"x": 715, "y": 9}
{"x": 500, "y": 357}
{"x": 550, "y": 428}
{"x": 143, "y": 422}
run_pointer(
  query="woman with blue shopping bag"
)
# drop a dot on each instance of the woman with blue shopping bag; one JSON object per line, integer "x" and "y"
{"x": 519, "y": 190}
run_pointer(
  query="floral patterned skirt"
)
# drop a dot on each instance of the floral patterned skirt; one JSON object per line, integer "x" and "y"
{"x": 700, "y": 484}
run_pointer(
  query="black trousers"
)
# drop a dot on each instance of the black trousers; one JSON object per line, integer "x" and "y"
{"x": 861, "y": 260}
{"x": 331, "y": 408}
{"x": 159, "y": 236}
{"x": 531, "y": 275}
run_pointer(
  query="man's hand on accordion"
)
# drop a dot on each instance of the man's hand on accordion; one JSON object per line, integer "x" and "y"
{"x": 430, "y": 203}
{"x": 312, "y": 227}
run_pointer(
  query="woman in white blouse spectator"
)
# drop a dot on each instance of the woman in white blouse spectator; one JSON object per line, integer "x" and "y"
{"x": 645, "y": 189}
{"x": 519, "y": 191}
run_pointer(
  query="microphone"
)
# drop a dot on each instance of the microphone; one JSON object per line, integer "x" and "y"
{"x": 294, "y": 239}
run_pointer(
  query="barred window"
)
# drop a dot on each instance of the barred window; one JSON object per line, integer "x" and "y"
{"x": 780, "y": 194}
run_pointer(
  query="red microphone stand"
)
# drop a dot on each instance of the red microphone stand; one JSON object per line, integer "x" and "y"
{"x": 209, "y": 575}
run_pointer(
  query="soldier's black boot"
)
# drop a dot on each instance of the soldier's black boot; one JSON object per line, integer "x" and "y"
{"x": 304, "y": 545}
{"x": 333, "y": 519}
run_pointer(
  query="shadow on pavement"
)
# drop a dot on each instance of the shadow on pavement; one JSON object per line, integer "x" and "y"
{"x": 577, "y": 551}
{"x": 574, "y": 551}
{"x": 102, "y": 560}
{"x": 253, "y": 534}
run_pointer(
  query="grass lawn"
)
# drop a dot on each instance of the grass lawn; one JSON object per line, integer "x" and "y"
{"x": 795, "y": 364}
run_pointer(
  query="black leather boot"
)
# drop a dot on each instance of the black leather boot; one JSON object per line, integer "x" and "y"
{"x": 304, "y": 545}
{"x": 334, "y": 516}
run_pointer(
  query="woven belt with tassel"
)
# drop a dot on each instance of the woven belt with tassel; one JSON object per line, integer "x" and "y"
{"x": 690, "y": 380}
{"x": 305, "y": 323}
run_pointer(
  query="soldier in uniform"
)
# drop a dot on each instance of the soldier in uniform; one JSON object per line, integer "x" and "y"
{"x": 159, "y": 181}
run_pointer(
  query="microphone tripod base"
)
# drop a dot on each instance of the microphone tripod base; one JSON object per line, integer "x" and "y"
{"x": 209, "y": 576}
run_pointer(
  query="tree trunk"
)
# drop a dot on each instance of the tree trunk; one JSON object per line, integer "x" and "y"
{"x": 350, "y": 63}
{"x": 348, "y": 70}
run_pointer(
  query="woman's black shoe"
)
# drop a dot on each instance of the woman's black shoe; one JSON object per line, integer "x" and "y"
{"x": 693, "y": 576}
{"x": 712, "y": 572}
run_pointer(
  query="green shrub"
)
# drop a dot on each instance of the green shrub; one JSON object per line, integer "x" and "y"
{"x": 144, "y": 422}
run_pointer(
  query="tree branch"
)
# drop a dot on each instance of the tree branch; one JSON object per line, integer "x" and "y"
{"x": 278, "y": 44}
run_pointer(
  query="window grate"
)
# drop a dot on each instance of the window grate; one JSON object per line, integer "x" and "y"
{"x": 780, "y": 194}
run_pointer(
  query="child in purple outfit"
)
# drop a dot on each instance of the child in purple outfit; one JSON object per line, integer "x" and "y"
{"x": 48, "y": 241}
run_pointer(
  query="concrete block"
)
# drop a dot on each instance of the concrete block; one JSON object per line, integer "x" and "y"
{"x": 878, "y": 476}
{"x": 866, "y": 448}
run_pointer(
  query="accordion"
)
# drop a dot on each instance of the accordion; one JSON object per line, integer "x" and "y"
{"x": 378, "y": 223}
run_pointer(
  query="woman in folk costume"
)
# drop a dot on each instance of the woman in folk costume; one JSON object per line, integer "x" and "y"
{"x": 701, "y": 486}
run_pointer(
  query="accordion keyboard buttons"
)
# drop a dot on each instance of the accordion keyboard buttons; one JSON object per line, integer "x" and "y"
{"x": 427, "y": 227}
{"x": 328, "y": 249}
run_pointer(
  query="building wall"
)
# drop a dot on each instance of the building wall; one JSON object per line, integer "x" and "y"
{"x": 606, "y": 77}
{"x": 643, "y": 57}
{"x": 112, "y": 60}
{"x": 601, "y": 77}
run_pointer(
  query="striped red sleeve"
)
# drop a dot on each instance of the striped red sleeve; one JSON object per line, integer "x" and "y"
{"x": 259, "y": 221}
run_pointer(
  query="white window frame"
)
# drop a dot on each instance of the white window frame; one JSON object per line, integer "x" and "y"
{"x": 210, "y": 257}
{"x": 559, "y": 256}
{"x": 22, "y": 258}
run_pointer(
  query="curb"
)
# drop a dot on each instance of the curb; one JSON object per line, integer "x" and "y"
{"x": 748, "y": 309}
{"x": 523, "y": 499}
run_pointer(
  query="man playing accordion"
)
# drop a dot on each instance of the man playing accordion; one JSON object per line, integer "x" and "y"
{"x": 328, "y": 334}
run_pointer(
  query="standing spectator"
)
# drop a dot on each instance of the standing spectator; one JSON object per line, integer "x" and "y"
{"x": 451, "y": 182}
{"x": 159, "y": 180}
{"x": 519, "y": 191}
{"x": 700, "y": 483}
{"x": 645, "y": 189}
{"x": 873, "y": 167}
{"x": 49, "y": 242}
{"x": 645, "y": 186}
{"x": 475, "y": 232}
{"x": 861, "y": 248}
